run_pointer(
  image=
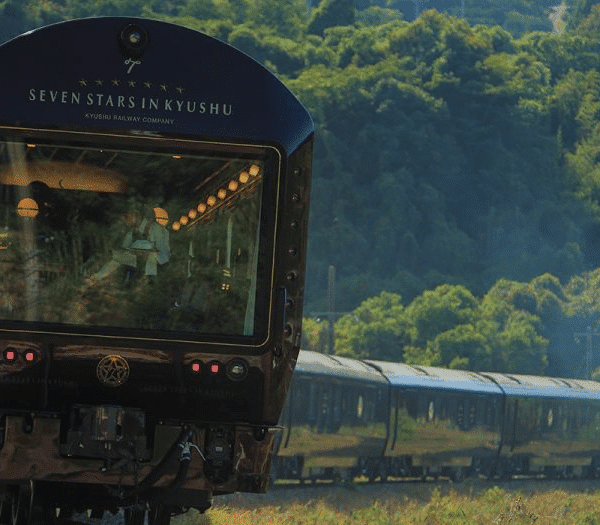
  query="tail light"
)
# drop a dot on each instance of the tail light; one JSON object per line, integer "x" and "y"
{"x": 13, "y": 355}
{"x": 10, "y": 355}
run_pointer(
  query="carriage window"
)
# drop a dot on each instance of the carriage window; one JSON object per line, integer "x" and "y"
{"x": 313, "y": 396}
{"x": 460, "y": 415}
{"x": 430, "y": 410}
{"x": 360, "y": 406}
{"x": 337, "y": 404}
{"x": 105, "y": 237}
{"x": 491, "y": 413}
{"x": 472, "y": 413}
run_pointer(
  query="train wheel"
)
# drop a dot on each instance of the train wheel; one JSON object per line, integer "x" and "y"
{"x": 21, "y": 499}
{"x": 458, "y": 475}
{"x": 383, "y": 473}
{"x": 160, "y": 514}
{"x": 134, "y": 515}
{"x": 5, "y": 506}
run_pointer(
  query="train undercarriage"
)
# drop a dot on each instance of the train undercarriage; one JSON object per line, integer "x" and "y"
{"x": 371, "y": 469}
{"x": 55, "y": 471}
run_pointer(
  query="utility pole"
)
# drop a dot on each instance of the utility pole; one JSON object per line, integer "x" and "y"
{"x": 588, "y": 353}
{"x": 331, "y": 307}
{"x": 330, "y": 314}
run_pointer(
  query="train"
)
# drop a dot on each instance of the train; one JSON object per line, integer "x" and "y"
{"x": 154, "y": 191}
{"x": 349, "y": 419}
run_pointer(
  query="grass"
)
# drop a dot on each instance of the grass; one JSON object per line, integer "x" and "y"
{"x": 408, "y": 505}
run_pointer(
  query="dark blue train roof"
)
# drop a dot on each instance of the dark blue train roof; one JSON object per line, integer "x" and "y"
{"x": 135, "y": 74}
{"x": 412, "y": 377}
{"x": 313, "y": 363}
{"x": 516, "y": 385}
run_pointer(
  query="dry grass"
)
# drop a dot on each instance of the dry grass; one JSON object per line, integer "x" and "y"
{"x": 473, "y": 503}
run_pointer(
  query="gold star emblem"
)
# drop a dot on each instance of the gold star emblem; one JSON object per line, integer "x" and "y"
{"x": 180, "y": 90}
{"x": 131, "y": 83}
{"x": 163, "y": 87}
{"x": 148, "y": 84}
{"x": 115, "y": 82}
{"x": 99, "y": 82}
{"x": 83, "y": 82}
{"x": 112, "y": 370}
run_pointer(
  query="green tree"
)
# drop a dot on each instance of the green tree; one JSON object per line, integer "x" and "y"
{"x": 437, "y": 311}
{"x": 331, "y": 13}
{"x": 377, "y": 329}
{"x": 314, "y": 335}
{"x": 463, "y": 346}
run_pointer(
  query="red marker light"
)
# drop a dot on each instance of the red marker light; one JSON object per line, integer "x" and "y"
{"x": 214, "y": 368}
{"x": 10, "y": 355}
{"x": 196, "y": 367}
{"x": 29, "y": 357}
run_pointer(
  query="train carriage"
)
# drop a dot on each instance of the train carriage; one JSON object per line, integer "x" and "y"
{"x": 443, "y": 422}
{"x": 551, "y": 426}
{"x": 418, "y": 421}
{"x": 335, "y": 420}
{"x": 154, "y": 187}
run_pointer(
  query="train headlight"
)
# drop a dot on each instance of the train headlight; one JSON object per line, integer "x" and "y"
{"x": 236, "y": 369}
{"x": 133, "y": 40}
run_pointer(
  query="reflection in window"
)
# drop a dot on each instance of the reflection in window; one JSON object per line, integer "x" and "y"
{"x": 430, "y": 411}
{"x": 142, "y": 240}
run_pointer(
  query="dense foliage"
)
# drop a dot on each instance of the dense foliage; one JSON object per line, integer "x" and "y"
{"x": 457, "y": 166}
{"x": 515, "y": 327}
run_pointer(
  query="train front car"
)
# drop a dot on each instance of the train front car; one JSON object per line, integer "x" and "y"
{"x": 154, "y": 187}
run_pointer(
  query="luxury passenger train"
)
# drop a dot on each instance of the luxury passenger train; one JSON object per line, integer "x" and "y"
{"x": 346, "y": 418}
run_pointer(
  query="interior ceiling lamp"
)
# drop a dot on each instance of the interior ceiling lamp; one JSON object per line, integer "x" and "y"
{"x": 161, "y": 216}
{"x": 27, "y": 207}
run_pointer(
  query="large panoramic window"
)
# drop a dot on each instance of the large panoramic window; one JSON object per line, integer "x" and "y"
{"x": 107, "y": 238}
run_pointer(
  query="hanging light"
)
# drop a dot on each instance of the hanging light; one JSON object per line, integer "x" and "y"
{"x": 244, "y": 177}
{"x": 232, "y": 185}
{"x": 176, "y": 226}
{"x": 222, "y": 193}
{"x": 161, "y": 216}
{"x": 211, "y": 200}
{"x": 183, "y": 220}
{"x": 201, "y": 207}
{"x": 27, "y": 207}
{"x": 192, "y": 214}
{"x": 254, "y": 169}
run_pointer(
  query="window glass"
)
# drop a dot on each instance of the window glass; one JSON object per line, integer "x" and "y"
{"x": 104, "y": 237}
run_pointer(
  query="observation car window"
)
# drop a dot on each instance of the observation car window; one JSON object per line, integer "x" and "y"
{"x": 131, "y": 239}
